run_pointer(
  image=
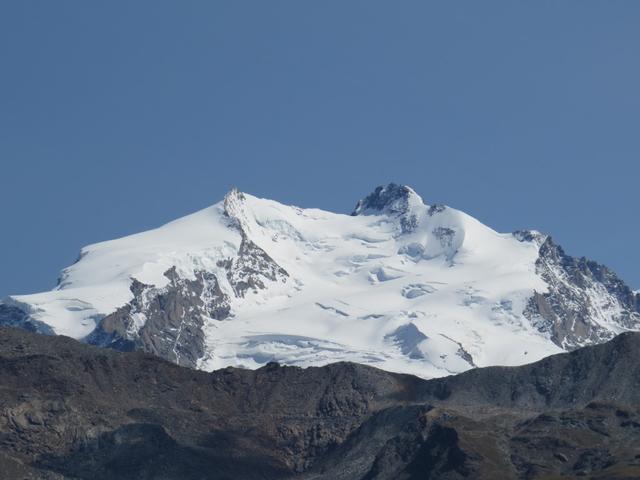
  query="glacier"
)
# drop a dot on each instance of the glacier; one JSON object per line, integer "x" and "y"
{"x": 399, "y": 284}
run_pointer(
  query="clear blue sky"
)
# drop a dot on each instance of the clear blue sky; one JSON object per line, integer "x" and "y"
{"x": 118, "y": 116}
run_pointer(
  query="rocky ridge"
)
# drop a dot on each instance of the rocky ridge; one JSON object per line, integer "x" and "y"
{"x": 69, "y": 410}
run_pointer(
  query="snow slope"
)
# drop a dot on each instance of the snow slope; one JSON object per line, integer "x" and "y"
{"x": 400, "y": 285}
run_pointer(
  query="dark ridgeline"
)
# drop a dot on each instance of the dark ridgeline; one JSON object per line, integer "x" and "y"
{"x": 69, "y": 410}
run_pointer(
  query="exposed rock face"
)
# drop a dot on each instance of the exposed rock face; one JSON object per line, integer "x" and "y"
{"x": 583, "y": 297}
{"x": 169, "y": 321}
{"x": 166, "y": 322}
{"x": 69, "y": 410}
{"x": 394, "y": 200}
{"x": 252, "y": 268}
{"x": 391, "y": 198}
{"x": 462, "y": 353}
{"x": 13, "y": 316}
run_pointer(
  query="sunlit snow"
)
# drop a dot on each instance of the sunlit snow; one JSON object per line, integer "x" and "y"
{"x": 353, "y": 282}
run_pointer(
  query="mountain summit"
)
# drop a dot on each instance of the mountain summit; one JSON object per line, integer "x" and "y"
{"x": 391, "y": 198}
{"x": 399, "y": 284}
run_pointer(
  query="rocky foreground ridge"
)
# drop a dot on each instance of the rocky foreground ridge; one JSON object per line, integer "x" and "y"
{"x": 74, "y": 411}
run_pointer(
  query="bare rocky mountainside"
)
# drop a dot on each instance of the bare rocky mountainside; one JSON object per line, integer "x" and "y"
{"x": 399, "y": 284}
{"x": 75, "y": 411}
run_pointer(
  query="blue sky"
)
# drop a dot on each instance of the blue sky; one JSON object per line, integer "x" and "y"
{"x": 118, "y": 116}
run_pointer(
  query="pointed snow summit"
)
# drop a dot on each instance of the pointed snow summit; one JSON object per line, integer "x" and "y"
{"x": 399, "y": 284}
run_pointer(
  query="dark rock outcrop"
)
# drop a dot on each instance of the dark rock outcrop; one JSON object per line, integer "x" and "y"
{"x": 69, "y": 410}
{"x": 165, "y": 321}
{"x": 582, "y": 296}
{"x": 391, "y": 198}
{"x": 252, "y": 268}
{"x": 13, "y": 316}
{"x": 394, "y": 200}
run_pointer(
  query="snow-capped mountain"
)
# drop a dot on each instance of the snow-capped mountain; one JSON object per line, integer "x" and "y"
{"x": 398, "y": 284}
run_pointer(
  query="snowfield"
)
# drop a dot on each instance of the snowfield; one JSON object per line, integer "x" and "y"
{"x": 400, "y": 285}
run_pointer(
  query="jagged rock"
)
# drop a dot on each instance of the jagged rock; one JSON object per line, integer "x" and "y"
{"x": 395, "y": 200}
{"x": 583, "y": 297}
{"x": 252, "y": 268}
{"x": 391, "y": 198}
{"x": 69, "y": 410}
{"x": 172, "y": 318}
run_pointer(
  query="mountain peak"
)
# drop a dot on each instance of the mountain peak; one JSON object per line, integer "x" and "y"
{"x": 391, "y": 198}
{"x": 415, "y": 288}
{"x": 233, "y": 204}
{"x": 233, "y": 195}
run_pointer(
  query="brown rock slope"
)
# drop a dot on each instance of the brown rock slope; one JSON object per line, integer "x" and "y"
{"x": 68, "y": 410}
